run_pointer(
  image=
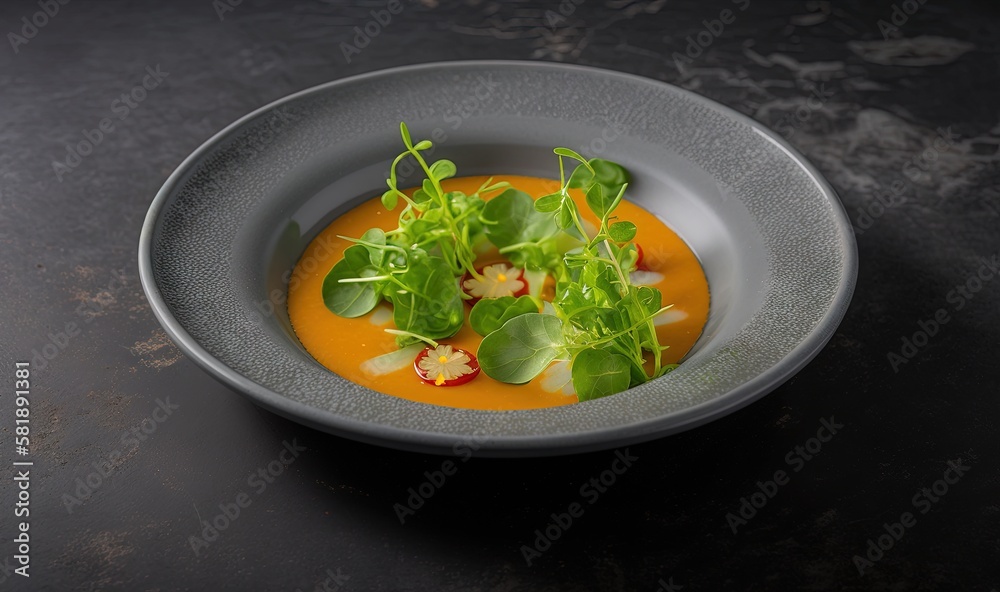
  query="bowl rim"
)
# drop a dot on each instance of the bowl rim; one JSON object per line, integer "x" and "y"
{"x": 503, "y": 446}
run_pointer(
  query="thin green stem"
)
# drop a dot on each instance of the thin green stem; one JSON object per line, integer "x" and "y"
{"x": 426, "y": 340}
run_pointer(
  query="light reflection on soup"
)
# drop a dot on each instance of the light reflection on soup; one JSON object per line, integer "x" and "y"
{"x": 342, "y": 344}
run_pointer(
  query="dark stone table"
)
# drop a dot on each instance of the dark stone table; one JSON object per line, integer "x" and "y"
{"x": 875, "y": 468}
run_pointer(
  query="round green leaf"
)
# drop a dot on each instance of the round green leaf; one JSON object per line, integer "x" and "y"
{"x": 622, "y": 232}
{"x": 520, "y": 349}
{"x": 599, "y": 373}
{"x": 389, "y": 199}
{"x": 548, "y": 203}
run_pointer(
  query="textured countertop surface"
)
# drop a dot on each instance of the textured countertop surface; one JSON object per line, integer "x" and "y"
{"x": 133, "y": 446}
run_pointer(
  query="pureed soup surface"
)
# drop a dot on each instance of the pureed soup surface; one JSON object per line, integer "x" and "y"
{"x": 342, "y": 344}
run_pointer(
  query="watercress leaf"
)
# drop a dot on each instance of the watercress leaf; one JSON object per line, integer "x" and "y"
{"x": 621, "y": 232}
{"x": 485, "y": 314}
{"x": 515, "y": 221}
{"x": 523, "y": 347}
{"x": 420, "y": 196}
{"x": 443, "y": 169}
{"x": 578, "y": 303}
{"x": 598, "y": 200}
{"x": 564, "y": 217}
{"x": 548, "y": 203}
{"x": 432, "y": 304}
{"x": 650, "y": 299}
{"x": 613, "y": 319}
{"x": 352, "y": 299}
{"x": 600, "y": 276}
{"x": 647, "y": 302}
{"x": 423, "y": 145}
{"x": 599, "y": 373}
{"x": 405, "y": 133}
{"x": 610, "y": 174}
{"x": 581, "y": 177}
{"x": 427, "y": 186}
{"x": 637, "y": 375}
{"x": 489, "y": 314}
{"x": 389, "y": 199}
{"x": 562, "y": 151}
{"x": 376, "y": 236}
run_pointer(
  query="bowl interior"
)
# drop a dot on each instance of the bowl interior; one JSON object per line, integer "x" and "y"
{"x": 228, "y": 227}
{"x": 683, "y": 196}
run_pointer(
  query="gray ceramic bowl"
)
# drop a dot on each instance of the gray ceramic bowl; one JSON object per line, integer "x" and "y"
{"x": 232, "y": 220}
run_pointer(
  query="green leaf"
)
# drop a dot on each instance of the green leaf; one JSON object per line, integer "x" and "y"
{"x": 432, "y": 304}
{"x": 599, "y": 373}
{"x": 548, "y": 203}
{"x": 423, "y": 145}
{"x": 600, "y": 276}
{"x": 564, "y": 218}
{"x": 443, "y": 169}
{"x": 375, "y": 236}
{"x": 405, "y": 132}
{"x": 581, "y": 178}
{"x": 523, "y": 347}
{"x": 389, "y": 199}
{"x": 598, "y": 200}
{"x": 609, "y": 174}
{"x": 355, "y": 298}
{"x": 562, "y": 151}
{"x": 515, "y": 222}
{"x": 489, "y": 314}
{"x": 622, "y": 232}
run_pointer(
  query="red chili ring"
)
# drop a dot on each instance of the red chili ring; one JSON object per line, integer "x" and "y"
{"x": 432, "y": 380}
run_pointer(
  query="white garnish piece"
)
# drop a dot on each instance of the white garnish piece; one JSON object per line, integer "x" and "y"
{"x": 391, "y": 362}
{"x": 645, "y": 278}
{"x": 381, "y": 316}
{"x": 558, "y": 377}
{"x": 669, "y": 316}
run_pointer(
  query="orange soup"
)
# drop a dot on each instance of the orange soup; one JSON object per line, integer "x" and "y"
{"x": 344, "y": 344}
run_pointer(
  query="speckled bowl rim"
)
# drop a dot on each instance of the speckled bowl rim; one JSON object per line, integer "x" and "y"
{"x": 492, "y": 444}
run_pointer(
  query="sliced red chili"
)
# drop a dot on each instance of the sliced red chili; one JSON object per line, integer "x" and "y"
{"x": 640, "y": 260}
{"x": 440, "y": 363}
